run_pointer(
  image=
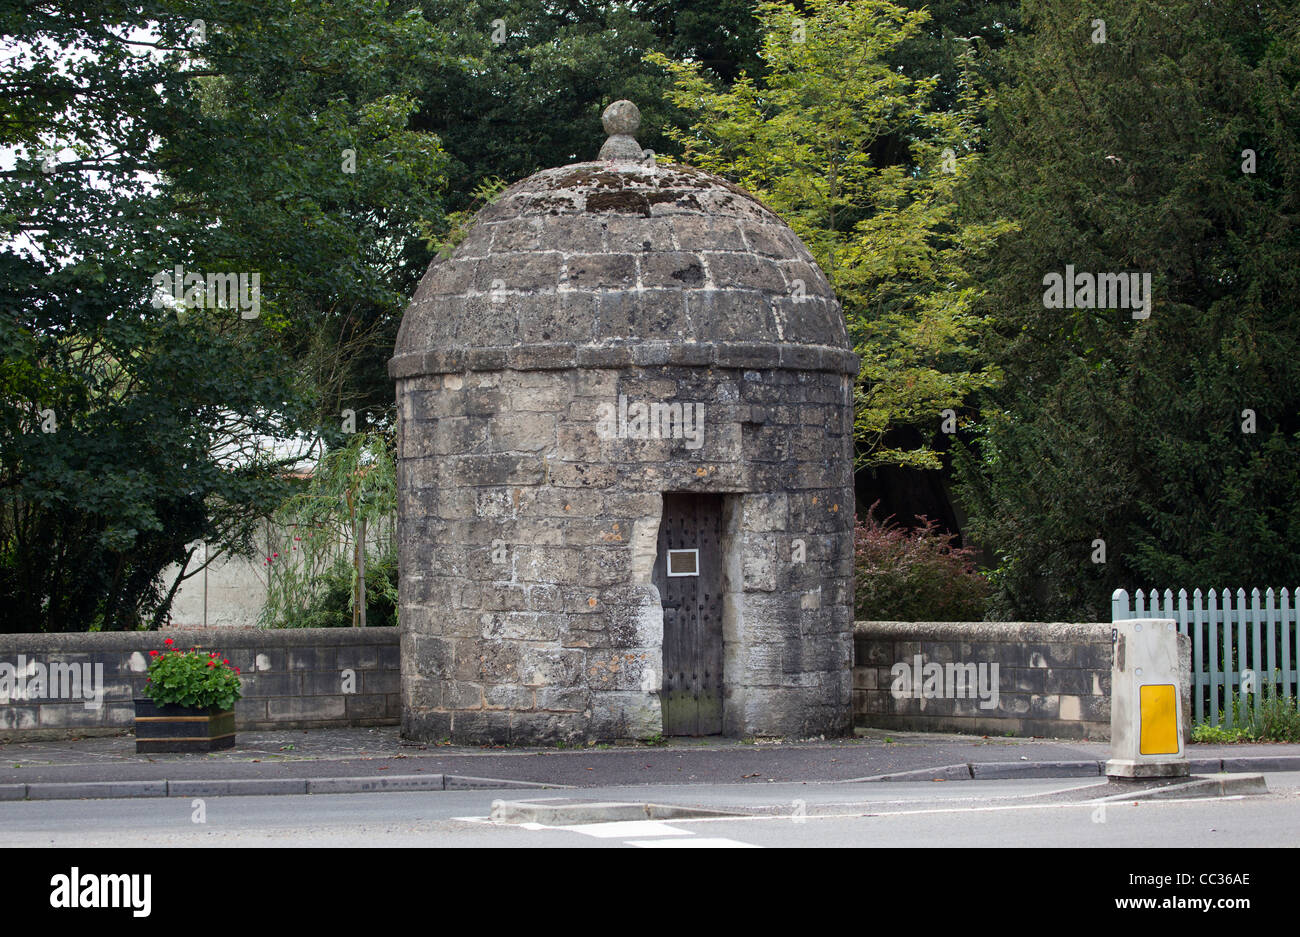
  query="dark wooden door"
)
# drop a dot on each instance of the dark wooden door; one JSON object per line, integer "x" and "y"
{"x": 688, "y": 573}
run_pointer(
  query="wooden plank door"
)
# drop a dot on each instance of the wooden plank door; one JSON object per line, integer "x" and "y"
{"x": 688, "y": 573}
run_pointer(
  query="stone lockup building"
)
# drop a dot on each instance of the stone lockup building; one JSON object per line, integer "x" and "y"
{"x": 625, "y": 478}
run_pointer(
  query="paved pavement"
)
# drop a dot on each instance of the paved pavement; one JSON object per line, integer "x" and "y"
{"x": 345, "y": 760}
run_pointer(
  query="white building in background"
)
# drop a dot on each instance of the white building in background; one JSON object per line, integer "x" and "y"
{"x": 229, "y": 593}
{"x": 232, "y": 591}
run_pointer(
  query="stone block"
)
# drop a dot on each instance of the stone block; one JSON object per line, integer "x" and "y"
{"x": 431, "y": 655}
{"x": 1069, "y": 680}
{"x": 541, "y": 666}
{"x": 284, "y": 684}
{"x": 758, "y": 563}
{"x": 742, "y": 271}
{"x": 521, "y": 626}
{"x": 541, "y": 728}
{"x": 567, "y": 699}
{"x": 425, "y": 724}
{"x": 599, "y": 272}
{"x": 366, "y": 707}
{"x": 20, "y": 716}
{"x": 542, "y": 356}
{"x": 307, "y": 709}
{"x": 379, "y": 682}
{"x": 463, "y": 696}
{"x": 358, "y": 657}
{"x": 482, "y": 727}
{"x": 313, "y": 658}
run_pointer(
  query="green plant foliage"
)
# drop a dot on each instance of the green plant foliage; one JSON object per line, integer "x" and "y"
{"x": 132, "y": 430}
{"x": 192, "y": 678}
{"x": 533, "y": 99}
{"x": 458, "y": 223}
{"x": 1129, "y": 155}
{"x": 332, "y": 593}
{"x": 859, "y": 160}
{"x": 1278, "y": 720}
{"x": 914, "y": 575}
{"x": 313, "y": 575}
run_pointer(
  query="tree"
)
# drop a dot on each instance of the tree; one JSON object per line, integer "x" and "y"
{"x": 208, "y": 136}
{"x": 1122, "y": 450}
{"x": 801, "y": 136}
{"x": 523, "y": 85}
{"x": 960, "y": 36}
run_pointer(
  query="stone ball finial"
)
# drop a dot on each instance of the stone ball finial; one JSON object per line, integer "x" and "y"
{"x": 621, "y": 117}
{"x": 621, "y": 120}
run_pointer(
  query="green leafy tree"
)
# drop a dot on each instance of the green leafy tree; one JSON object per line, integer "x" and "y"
{"x": 960, "y": 36}
{"x": 209, "y": 136}
{"x": 801, "y": 136}
{"x": 1121, "y": 451}
{"x": 524, "y": 83}
{"x": 308, "y": 161}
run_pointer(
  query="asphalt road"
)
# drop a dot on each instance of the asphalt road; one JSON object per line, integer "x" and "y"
{"x": 937, "y": 814}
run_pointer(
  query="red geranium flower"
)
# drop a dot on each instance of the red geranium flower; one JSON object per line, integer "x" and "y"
{"x": 169, "y": 642}
{"x": 153, "y": 653}
{"x": 212, "y": 663}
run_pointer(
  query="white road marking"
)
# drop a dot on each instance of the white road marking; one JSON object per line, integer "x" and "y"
{"x": 625, "y": 828}
{"x": 666, "y": 836}
{"x": 700, "y": 842}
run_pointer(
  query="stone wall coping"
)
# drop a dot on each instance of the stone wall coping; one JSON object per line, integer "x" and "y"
{"x": 565, "y": 355}
{"x": 1018, "y": 632}
{"x": 223, "y": 638}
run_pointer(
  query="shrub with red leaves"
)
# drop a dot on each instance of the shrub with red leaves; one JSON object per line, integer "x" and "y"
{"x": 914, "y": 575}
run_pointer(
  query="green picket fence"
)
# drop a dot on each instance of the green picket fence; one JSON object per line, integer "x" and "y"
{"x": 1247, "y": 649}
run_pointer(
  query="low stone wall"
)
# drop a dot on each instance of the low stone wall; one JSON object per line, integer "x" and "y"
{"x": 292, "y": 678}
{"x": 1051, "y": 679}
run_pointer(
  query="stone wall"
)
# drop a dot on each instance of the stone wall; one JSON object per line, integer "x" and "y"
{"x": 1053, "y": 679}
{"x": 292, "y": 678}
{"x": 528, "y": 541}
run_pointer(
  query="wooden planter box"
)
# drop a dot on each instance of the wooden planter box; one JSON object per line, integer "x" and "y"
{"x": 182, "y": 728}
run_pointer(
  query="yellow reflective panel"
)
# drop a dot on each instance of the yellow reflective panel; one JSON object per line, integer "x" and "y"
{"x": 1159, "y": 720}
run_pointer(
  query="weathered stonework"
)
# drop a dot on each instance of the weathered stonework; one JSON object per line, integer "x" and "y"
{"x": 1053, "y": 678}
{"x": 530, "y": 496}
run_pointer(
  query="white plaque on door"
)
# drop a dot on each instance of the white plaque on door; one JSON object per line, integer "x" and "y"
{"x": 683, "y": 562}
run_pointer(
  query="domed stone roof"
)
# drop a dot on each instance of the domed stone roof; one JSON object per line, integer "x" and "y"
{"x": 582, "y": 264}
